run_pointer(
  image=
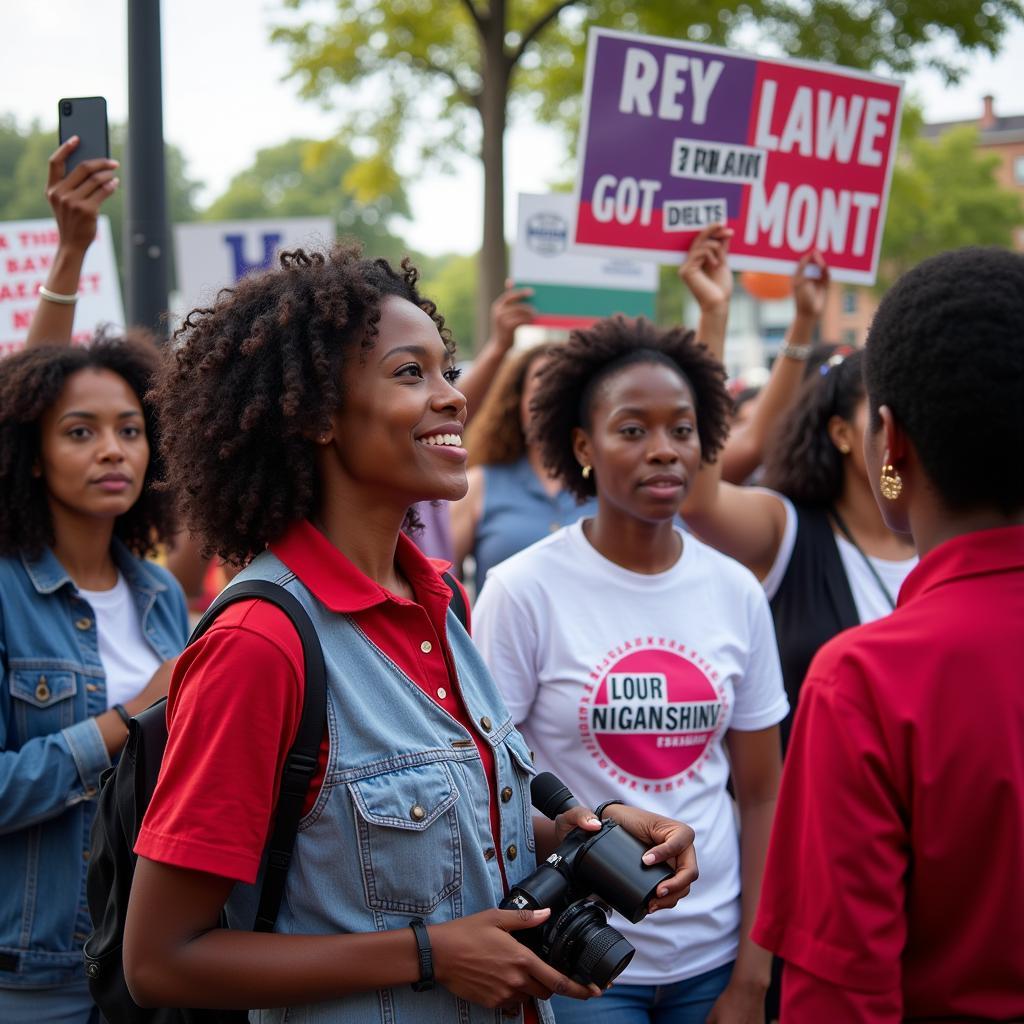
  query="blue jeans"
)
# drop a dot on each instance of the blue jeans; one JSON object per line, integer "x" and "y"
{"x": 67, "y": 1004}
{"x": 682, "y": 1002}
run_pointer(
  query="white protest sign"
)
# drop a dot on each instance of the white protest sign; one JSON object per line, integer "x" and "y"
{"x": 573, "y": 288}
{"x": 211, "y": 256}
{"x": 27, "y": 248}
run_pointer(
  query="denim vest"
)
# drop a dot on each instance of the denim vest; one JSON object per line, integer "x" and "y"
{"x": 401, "y": 827}
{"x": 51, "y": 686}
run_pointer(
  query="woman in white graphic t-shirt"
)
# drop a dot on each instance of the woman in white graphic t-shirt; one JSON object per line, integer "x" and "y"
{"x": 640, "y": 663}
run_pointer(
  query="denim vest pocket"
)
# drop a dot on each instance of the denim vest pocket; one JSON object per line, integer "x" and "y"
{"x": 41, "y": 698}
{"x": 524, "y": 771}
{"x": 409, "y": 846}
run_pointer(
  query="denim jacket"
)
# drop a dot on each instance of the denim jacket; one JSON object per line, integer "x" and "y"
{"x": 401, "y": 827}
{"x": 51, "y": 686}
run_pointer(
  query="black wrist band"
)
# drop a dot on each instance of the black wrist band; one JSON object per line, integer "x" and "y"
{"x": 426, "y": 955}
{"x": 599, "y": 812}
{"x": 122, "y": 713}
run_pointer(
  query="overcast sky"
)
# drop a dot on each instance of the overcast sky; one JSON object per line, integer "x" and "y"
{"x": 225, "y": 98}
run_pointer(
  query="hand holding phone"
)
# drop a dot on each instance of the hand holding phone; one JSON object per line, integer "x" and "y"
{"x": 81, "y": 174}
{"x": 86, "y": 117}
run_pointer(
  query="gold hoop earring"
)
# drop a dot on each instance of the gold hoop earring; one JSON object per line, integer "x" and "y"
{"x": 586, "y": 472}
{"x": 890, "y": 483}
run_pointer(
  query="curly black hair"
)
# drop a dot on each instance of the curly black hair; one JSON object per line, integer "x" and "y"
{"x": 802, "y": 462}
{"x": 575, "y": 370}
{"x": 254, "y": 378}
{"x": 945, "y": 353}
{"x": 30, "y": 382}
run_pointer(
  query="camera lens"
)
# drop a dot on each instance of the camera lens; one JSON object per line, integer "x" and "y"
{"x": 65, "y": 108}
{"x": 586, "y": 947}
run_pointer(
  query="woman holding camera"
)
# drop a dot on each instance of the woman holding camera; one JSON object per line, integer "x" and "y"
{"x": 86, "y": 625}
{"x": 315, "y": 404}
{"x": 640, "y": 663}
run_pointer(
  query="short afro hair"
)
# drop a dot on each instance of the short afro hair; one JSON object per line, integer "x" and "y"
{"x": 945, "y": 353}
{"x": 575, "y": 371}
{"x": 30, "y": 382}
{"x": 254, "y": 378}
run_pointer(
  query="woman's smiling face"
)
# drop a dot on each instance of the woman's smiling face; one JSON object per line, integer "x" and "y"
{"x": 642, "y": 443}
{"x": 400, "y": 429}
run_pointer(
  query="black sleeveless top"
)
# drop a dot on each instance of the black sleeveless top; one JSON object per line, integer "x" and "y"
{"x": 812, "y": 604}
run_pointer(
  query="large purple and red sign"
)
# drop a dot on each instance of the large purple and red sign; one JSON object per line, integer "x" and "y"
{"x": 792, "y": 155}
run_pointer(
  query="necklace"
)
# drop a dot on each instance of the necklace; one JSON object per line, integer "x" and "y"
{"x": 845, "y": 530}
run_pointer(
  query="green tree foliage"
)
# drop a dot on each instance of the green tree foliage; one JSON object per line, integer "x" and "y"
{"x": 453, "y": 67}
{"x": 451, "y": 282}
{"x": 307, "y": 178}
{"x": 945, "y": 194}
{"x": 23, "y": 167}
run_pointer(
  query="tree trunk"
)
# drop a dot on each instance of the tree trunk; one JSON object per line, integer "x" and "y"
{"x": 493, "y": 115}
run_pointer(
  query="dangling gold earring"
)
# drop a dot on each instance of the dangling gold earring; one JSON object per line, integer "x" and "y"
{"x": 890, "y": 483}
{"x": 586, "y": 472}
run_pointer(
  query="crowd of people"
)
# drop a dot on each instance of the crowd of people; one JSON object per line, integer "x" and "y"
{"x": 781, "y": 649}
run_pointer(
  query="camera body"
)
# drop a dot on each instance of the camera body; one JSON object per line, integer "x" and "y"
{"x": 590, "y": 874}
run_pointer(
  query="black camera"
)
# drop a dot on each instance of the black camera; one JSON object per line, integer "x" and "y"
{"x": 590, "y": 874}
{"x": 65, "y": 107}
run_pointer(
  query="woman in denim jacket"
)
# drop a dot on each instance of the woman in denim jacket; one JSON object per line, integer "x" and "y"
{"x": 86, "y": 628}
{"x": 314, "y": 405}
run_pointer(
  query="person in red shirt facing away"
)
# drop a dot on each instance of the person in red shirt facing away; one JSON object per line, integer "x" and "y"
{"x": 312, "y": 407}
{"x": 894, "y": 888}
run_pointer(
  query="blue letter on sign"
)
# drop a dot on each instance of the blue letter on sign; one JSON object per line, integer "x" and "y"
{"x": 242, "y": 265}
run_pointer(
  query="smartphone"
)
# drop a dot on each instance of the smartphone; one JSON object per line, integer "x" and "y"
{"x": 86, "y": 117}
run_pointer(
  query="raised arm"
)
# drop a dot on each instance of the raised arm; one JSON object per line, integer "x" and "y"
{"x": 76, "y": 200}
{"x": 508, "y": 311}
{"x": 745, "y": 524}
{"x": 745, "y": 449}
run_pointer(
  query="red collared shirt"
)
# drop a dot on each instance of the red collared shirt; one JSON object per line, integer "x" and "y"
{"x": 222, "y": 767}
{"x": 894, "y": 886}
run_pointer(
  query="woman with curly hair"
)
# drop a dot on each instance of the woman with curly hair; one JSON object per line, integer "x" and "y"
{"x": 640, "y": 663}
{"x": 314, "y": 405}
{"x": 512, "y": 500}
{"x": 86, "y": 628}
{"x": 811, "y": 532}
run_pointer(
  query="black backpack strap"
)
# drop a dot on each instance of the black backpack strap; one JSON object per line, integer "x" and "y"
{"x": 301, "y": 762}
{"x": 458, "y": 601}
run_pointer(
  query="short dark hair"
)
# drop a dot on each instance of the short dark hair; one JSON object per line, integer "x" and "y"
{"x": 802, "y": 462}
{"x": 254, "y": 378}
{"x": 575, "y": 370}
{"x": 30, "y": 382}
{"x": 945, "y": 353}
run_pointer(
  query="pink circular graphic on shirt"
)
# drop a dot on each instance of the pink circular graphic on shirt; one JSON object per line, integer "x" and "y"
{"x": 653, "y": 714}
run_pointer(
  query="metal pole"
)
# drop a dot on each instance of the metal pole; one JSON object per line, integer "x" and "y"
{"x": 145, "y": 225}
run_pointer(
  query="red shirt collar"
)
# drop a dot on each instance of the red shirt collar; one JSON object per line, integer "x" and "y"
{"x": 339, "y": 585}
{"x": 980, "y": 553}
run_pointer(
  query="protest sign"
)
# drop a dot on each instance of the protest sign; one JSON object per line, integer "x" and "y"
{"x": 27, "y": 248}
{"x": 793, "y": 155}
{"x": 211, "y": 256}
{"x": 570, "y": 290}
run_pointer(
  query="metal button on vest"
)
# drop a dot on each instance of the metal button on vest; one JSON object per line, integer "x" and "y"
{"x": 485, "y": 724}
{"x": 426, "y": 647}
{"x": 512, "y": 852}
{"x": 441, "y": 693}
{"x": 506, "y": 794}
{"x": 417, "y": 813}
{"x": 92, "y": 969}
{"x": 489, "y": 853}
{"x": 83, "y": 624}
{"x": 42, "y": 690}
